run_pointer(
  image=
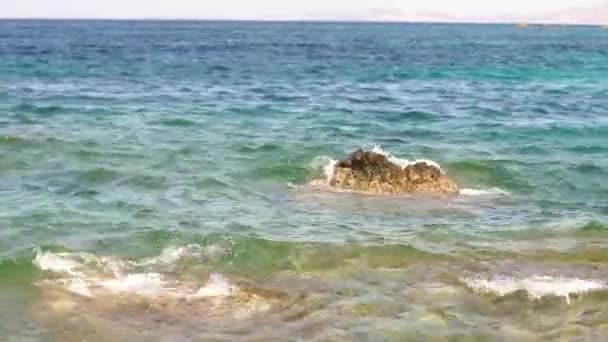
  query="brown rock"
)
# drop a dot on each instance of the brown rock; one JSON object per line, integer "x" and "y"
{"x": 373, "y": 173}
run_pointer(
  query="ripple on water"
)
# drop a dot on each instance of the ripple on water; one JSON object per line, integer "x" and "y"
{"x": 267, "y": 147}
{"x": 500, "y": 174}
{"x": 87, "y": 155}
{"x": 207, "y": 183}
{"x": 283, "y": 173}
{"x": 594, "y": 226}
{"x": 13, "y": 140}
{"x": 147, "y": 182}
{"x": 587, "y": 149}
{"x": 415, "y": 116}
{"x": 98, "y": 175}
{"x": 175, "y": 122}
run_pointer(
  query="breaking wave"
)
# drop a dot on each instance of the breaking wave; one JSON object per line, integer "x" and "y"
{"x": 403, "y": 162}
{"x": 484, "y": 192}
{"x": 89, "y": 275}
{"x": 536, "y": 286}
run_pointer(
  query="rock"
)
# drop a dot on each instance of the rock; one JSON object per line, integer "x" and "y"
{"x": 373, "y": 173}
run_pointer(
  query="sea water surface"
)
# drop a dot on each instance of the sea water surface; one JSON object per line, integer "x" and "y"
{"x": 156, "y": 182}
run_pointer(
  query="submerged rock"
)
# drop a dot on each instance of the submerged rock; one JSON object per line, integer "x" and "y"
{"x": 373, "y": 173}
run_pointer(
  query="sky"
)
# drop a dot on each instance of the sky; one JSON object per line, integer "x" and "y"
{"x": 301, "y": 9}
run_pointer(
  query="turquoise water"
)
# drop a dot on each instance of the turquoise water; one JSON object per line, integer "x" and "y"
{"x": 151, "y": 170}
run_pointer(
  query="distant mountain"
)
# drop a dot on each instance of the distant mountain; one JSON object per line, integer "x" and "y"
{"x": 591, "y": 15}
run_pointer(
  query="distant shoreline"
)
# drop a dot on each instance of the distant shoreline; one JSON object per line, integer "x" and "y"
{"x": 530, "y": 24}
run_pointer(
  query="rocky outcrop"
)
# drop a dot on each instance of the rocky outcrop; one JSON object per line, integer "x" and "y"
{"x": 373, "y": 173}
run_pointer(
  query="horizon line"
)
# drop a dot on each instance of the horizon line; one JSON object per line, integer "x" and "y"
{"x": 310, "y": 20}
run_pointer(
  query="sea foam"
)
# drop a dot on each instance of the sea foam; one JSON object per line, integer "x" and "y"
{"x": 484, "y": 192}
{"x": 536, "y": 286}
{"x": 403, "y": 162}
{"x": 142, "y": 284}
{"x": 88, "y": 275}
{"x": 56, "y": 262}
{"x": 173, "y": 254}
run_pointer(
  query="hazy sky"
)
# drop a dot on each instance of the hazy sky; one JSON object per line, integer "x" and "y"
{"x": 275, "y": 9}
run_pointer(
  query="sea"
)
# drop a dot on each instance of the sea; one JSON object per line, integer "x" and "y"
{"x": 167, "y": 181}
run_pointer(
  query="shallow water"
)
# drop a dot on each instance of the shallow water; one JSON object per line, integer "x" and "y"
{"x": 165, "y": 181}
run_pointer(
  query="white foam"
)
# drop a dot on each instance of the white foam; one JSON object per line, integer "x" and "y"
{"x": 294, "y": 186}
{"x": 114, "y": 277}
{"x": 173, "y": 254}
{"x": 484, "y": 192}
{"x": 74, "y": 263}
{"x": 217, "y": 286}
{"x": 78, "y": 286}
{"x": 65, "y": 263}
{"x": 535, "y": 286}
{"x": 154, "y": 285}
{"x": 141, "y": 284}
{"x": 403, "y": 162}
{"x": 214, "y": 251}
{"x": 328, "y": 165}
{"x": 55, "y": 262}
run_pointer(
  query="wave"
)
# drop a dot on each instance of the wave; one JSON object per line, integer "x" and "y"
{"x": 98, "y": 175}
{"x": 484, "y": 192}
{"x": 38, "y": 109}
{"x": 404, "y": 162}
{"x": 327, "y": 164}
{"x": 13, "y": 140}
{"x": 281, "y": 171}
{"x": 502, "y": 174}
{"x": 536, "y": 287}
{"x": 154, "y": 285}
{"x": 295, "y": 186}
{"x": 259, "y": 148}
{"x": 172, "y": 254}
{"x": 594, "y": 226}
{"x": 89, "y": 275}
{"x": 174, "y": 122}
{"x": 213, "y": 183}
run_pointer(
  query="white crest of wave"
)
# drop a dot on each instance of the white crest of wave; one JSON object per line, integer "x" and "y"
{"x": 79, "y": 287}
{"x": 328, "y": 165}
{"x": 217, "y": 286}
{"x": 82, "y": 278}
{"x": 535, "y": 286}
{"x": 484, "y": 192}
{"x": 403, "y": 162}
{"x": 173, "y": 254}
{"x": 56, "y": 262}
{"x": 294, "y": 186}
{"x": 154, "y": 285}
{"x": 142, "y": 284}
